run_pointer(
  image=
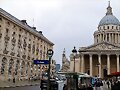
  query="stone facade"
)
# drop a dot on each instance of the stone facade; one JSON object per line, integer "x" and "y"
{"x": 103, "y": 57}
{"x": 20, "y": 44}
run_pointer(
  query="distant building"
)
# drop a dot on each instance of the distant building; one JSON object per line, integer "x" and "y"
{"x": 103, "y": 57}
{"x": 20, "y": 44}
{"x": 57, "y": 67}
{"x": 65, "y": 63}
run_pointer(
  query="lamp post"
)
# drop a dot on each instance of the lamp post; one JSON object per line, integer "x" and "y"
{"x": 50, "y": 54}
{"x": 74, "y": 51}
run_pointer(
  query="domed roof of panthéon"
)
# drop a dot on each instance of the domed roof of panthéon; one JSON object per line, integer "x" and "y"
{"x": 109, "y": 18}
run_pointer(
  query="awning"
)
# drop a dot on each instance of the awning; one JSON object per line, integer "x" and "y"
{"x": 114, "y": 74}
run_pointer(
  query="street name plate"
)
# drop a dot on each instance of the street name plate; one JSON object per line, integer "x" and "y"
{"x": 40, "y": 61}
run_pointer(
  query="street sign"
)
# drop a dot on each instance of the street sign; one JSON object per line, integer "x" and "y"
{"x": 41, "y": 61}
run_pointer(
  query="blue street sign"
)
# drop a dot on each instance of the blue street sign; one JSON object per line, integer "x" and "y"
{"x": 40, "y": 61}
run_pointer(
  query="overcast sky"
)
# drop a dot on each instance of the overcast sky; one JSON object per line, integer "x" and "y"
{"x": 67, "y": 23}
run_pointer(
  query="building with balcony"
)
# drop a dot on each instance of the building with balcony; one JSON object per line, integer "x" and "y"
{"x": 20, "y": 44}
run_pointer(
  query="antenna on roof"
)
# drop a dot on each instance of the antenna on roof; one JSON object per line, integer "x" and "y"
{"x": 33, "y": 22}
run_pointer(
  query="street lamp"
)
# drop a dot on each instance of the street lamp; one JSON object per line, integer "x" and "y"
{"x": 50, "y": 54}
{"x": 74, "y": 51}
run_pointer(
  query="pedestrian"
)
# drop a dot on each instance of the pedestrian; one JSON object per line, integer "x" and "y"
{"x": 13, "y": 80}
{"x": 64, "y": 87}
{"x": 108, "y": 84}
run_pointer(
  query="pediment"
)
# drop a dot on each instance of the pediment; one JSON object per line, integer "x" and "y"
{"x": 103, "y": 46}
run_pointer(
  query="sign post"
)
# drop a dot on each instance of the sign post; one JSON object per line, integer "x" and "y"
{"x": 50, "y": 54}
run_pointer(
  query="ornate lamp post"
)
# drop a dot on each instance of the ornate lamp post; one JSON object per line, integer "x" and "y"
{"x": 50, "y": 54}
{"x": 74, "y": 51}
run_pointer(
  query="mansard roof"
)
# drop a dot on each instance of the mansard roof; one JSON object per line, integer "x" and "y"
{"x": 25, "y": 26}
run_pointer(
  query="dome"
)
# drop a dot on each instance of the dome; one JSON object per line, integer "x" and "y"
{"x": 109, "y": 19}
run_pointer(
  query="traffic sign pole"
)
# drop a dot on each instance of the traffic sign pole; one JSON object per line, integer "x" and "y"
{"x": 50, "y": 54}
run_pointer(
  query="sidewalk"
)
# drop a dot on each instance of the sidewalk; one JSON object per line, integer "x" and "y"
{"x": 19, "y": 83}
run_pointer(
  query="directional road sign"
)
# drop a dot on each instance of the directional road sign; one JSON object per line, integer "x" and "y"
{"x": 41, "y": 61}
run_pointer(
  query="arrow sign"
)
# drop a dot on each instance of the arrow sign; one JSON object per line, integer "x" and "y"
{"x": 40, "y": 61}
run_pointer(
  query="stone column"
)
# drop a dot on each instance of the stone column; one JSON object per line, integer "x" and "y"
{"x": 19, "y": 69}
{"x": 118, "y": 64}
{"x": 29, "y": 69}
{"x": 0, "y": 64}
{"x": 112, "y": 38}
{"x": 82, "y": 64}
{"x": 91, "y": 68}
{"x": 103, "y": 36}
{"x": 99, "y": 60}
{"x": 13, "y": 68}
{"x": 118, "y": 38}
{"x": 6, "y": 70}
{"x": 115, "y": 38}
{"x": 109, "y": 37}
{"x": 100, "y": 38}
{"x": 108, "y": 64}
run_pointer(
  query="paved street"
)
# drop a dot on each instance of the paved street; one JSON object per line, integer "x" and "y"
{"x": 22, "y": 88}
{"x": 38, "y": 88}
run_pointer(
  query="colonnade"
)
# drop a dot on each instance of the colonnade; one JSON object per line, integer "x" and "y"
{"x": 108, "y": 64}
{"x": 110, "y": 37}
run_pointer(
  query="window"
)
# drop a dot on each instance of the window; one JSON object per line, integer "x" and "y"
{"x": 4, "y": 61}
{"x": 7, "y": 30}
{"x": 0, "y": 19}
{"x": 16, "y": 69}
{"x": 8, "y": 23}
{"x": 19, "y": 35}
{"x": 103, "y": 27}
{"x": 107, "y": 27}
{"x": 107, "y": 37}
{"x": 11, "y": 63}
{"x": 112, "y": 27}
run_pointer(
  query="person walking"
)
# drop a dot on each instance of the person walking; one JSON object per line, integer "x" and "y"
{"x": 108, "y": 84}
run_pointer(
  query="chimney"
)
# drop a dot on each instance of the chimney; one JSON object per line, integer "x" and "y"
{"x": 24, "y": 22}
{"x": 34, "y": 28}
{"x": 40, "y": 32}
